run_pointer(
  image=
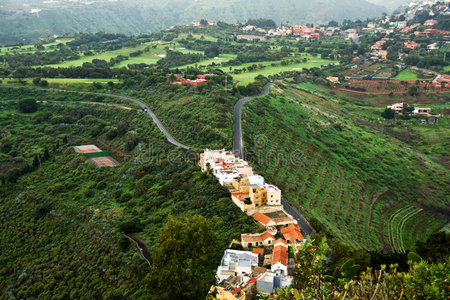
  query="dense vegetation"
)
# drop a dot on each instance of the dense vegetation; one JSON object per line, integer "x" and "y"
{"x": 337, "y": 168}
{"x": 421, "y": 280}
{"x": 64, "y": 218}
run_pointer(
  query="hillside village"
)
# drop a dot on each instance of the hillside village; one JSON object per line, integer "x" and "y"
{"x": 267, "y": 260}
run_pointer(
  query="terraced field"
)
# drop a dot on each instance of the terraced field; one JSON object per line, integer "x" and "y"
{"x": 356, "y": 181}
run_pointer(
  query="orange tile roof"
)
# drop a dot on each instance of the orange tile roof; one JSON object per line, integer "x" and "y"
{"x": 280, "y": 254}
{"x": 267, "y": 235}
{"x": 258, "y": 251}
{"x": 256, "y": 238}
{"x": 280, "y": 240}
{"x": 292, "y": 233}
{"x": 262, "y": 218}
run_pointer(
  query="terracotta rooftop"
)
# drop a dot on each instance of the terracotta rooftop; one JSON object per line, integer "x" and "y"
{"x": 251, "y": 238}
{"x": 262, "y": 218}
{"x": 258, "y": 250}
{"x": 280, "y": 254}
{"x": 292, "y": 233}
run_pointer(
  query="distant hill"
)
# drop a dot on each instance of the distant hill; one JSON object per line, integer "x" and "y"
{"x": 391, "y": 5}
{"x": 36, "y": 19}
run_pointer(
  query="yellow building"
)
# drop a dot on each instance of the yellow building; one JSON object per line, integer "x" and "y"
{"x": 229, "y": 293}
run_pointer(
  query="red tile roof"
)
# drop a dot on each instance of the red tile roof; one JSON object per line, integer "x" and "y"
{"x": 292, "y": 233}
{"x": 280, "y": 240}
{"x": 280, "y": 254}
{"x": 262, "y": 218}
{"x": 258, "y": 251}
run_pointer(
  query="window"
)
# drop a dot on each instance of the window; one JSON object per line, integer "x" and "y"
{"x": 249, "y": 244}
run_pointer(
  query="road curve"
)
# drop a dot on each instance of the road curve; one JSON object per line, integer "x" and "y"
{"x": 237, "y": 130}
{"x": 144, "y": 106}
{"x": 306, "y": 228}
{"x": 149, "y": 111}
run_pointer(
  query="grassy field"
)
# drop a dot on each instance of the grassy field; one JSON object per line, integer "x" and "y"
{"x": 350, "y": 176}
{"x": 31, "y": 48}
{"x": 248, "y": 77}
{"x": 406, "y": 74}
{"x": 221, "y": 59}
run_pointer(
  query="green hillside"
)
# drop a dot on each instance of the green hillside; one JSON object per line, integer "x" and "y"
{"x": 62, "y": 222}
{"x": 367, "y": 188}
{"x": 139, "y": 16}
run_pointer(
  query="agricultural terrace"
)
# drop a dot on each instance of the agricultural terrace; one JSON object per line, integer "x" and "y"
{"x": 392, "y": 86}
{"x": 337, "y": 169}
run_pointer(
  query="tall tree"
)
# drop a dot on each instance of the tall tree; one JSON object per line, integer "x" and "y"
{"x": 184, "y": 261}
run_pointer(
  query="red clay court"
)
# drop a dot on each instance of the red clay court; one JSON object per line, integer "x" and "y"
{"x": 87, "y": 149}
{"x": 104, "y": 161}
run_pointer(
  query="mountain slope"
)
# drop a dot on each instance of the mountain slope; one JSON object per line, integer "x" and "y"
{"x": 138, "y": 16}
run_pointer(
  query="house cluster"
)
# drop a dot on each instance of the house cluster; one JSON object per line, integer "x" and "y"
{"x": 399, "y": 107}
{"x": 201, "y": 79}
{"x": 302, "y": 31}
{"x": 266, "y": 262}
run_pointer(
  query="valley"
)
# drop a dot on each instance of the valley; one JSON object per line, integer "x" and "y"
{"x": 345, "y": 124}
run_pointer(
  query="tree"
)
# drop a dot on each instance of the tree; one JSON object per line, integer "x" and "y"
{"x": 184, "y": 260}
{"x": 203, "y": 22}
{"x": 388, "y": 114}
{"x": 28, "y": 106}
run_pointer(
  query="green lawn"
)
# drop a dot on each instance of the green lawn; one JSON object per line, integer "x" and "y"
{"x": 247, "y": 77}
{"x": 406, "y": 74}
{"x": 221, "y": 59}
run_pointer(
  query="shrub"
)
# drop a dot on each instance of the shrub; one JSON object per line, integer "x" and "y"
{"x": 28, "y": 106}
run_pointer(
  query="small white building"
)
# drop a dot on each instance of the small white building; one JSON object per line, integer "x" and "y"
{"x": 280, "y": 258}
{"x": 236, "y": 263}
{"x": 422, "y": 111}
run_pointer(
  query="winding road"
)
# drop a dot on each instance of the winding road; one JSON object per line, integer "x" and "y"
{"x": 238, "y": 149}
{"x": 237, "y": 129}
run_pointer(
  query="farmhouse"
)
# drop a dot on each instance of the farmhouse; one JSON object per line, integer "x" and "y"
{"x": 257, "y": 239}
{"x": 397, "y": 107}
{"x": 422, "y": 111}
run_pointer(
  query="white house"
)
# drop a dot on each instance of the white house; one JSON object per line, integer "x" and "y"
{"x": 280, "y": 258}
{"x": 237, "y": 263}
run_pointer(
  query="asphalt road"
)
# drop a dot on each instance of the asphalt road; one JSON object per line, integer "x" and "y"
{"x": 154, "y": 117}
{"x": 144, "y": 106}
{"x": 306, "y": 228}
{"x": 237, "y": 130}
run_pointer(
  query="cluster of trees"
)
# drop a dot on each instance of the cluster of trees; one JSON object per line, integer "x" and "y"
{"x": 420, "y": 279}
{"x": 39, "y": 58}
{"x": 263, "y": 23}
